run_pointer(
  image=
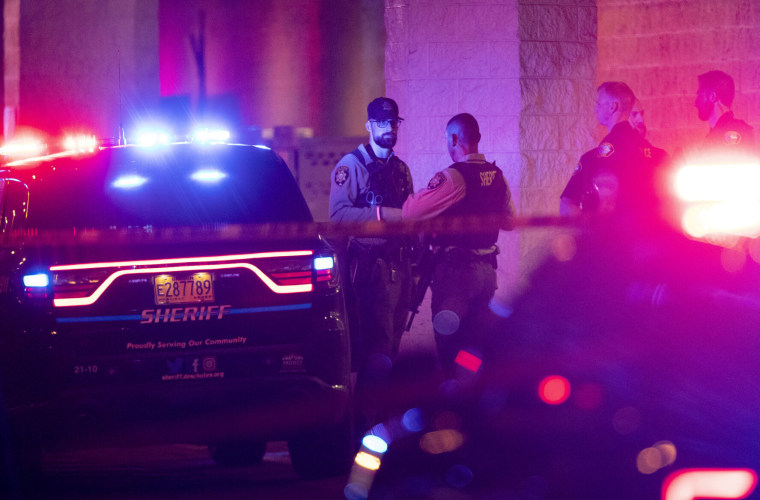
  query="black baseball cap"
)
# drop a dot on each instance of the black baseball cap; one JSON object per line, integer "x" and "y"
{"x": 383, "y": 108}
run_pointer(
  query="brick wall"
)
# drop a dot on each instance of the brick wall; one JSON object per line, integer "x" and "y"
{"x": 660, "y": 46}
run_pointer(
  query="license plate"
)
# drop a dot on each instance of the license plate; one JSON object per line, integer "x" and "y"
{"x": 195, "y": 288}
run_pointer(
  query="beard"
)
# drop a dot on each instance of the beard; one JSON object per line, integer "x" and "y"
{"x": 704, "y": 111}
{"x": 386, "y": 140}
{"x": 641, "y": 129}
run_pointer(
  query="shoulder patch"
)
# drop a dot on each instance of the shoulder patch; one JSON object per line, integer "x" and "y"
{"x": 436, "y": 181}
{"x": 732, "y": 137}
{"x": 341, "y": 175}
{"x": 605, "y": 149}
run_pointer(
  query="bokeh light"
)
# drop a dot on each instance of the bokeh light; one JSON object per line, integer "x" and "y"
{"x": 688, "y": 484}
{"x": 626, "y": 420}
{"x": 588, "y": 396}
{"x": 554, "y": 390}
{"x": 413, "y": 420}
{"x": 375, "y": 443}
{"x": 564, "y": 247}
{"x": 459, "y": 476}
{"x": 733, "y": 260}
{"x": 442, "y": 441}
{"x": 446, "y": 322}
{"x": 367, "y": 460}
{"x": 355, "y": 491}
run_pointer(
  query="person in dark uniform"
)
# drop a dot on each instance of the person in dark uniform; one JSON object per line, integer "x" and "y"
{"x": 371, "y": 183}
{"x": 715, "y": 95}
{"x": 650, "y": 181}
{"x": 464, "y": 277}
{"x": 609, "y": 176}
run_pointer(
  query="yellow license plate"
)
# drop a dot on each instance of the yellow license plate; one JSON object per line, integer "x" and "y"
{"x": 190, "y": 289}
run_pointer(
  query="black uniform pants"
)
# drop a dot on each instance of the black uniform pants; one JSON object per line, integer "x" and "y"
{"x": 461, "y": 290}
{"x": 382, "y": 291}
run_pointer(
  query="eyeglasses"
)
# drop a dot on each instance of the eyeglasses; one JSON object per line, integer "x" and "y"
{"x": 385, "y": 123}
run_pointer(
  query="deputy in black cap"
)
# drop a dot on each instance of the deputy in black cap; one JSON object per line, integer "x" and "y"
{"x": 371, "y": 183}
{"x": 607, "y": 176}
{"x": 715, "y": 95}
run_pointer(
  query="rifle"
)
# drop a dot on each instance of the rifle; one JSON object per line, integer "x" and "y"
{"x": 425, "y": 266}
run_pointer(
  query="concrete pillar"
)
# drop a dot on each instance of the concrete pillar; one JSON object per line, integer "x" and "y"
{"x": 558, "y": 59}
{"x": 445, "y": 57}
{"x": 11, "y": 65}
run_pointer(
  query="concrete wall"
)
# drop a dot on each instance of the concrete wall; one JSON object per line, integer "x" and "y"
{"x": 304, "y": 63}
{"x": 660, "y": 46}
{"x": 72, "y": 54}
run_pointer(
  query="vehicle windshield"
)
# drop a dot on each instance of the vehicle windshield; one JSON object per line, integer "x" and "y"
{"x": 179, "y": 186}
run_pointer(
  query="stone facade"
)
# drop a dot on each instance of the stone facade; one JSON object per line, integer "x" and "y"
{"x": 558, "y": 64}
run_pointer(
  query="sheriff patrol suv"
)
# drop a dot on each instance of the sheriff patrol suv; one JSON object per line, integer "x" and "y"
{"x": 140, "y": 306}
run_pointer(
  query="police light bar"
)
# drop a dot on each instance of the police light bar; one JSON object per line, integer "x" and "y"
{"x": 82, "y": 143}
{"x": 23, "y": 147}
{"x": 153, "y": 137}
{"x": 207, "y": 135}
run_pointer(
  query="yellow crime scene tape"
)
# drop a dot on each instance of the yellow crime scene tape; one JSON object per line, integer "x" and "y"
{"x": 279, "y": 231}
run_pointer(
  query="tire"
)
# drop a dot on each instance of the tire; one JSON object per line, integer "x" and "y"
{"x": 323, "y": 453}
{"x": 241, "y": 453}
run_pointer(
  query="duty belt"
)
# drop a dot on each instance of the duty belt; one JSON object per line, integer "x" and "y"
{"x": 389, "y": 252}
{"x": 467, "y": 255}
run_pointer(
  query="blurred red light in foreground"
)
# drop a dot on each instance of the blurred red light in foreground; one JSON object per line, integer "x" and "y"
{"x": 689, "y": 484}
{"x": 554, "y": 390}
{"x": 718, "y": 182}
{"x": 720, "y": 197}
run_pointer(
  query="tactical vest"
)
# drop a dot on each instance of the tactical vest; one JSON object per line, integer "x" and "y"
{"x": 485, "y": 195}
{"x": 388, "y": 183}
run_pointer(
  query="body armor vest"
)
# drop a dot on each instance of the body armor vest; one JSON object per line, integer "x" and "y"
{"x": 387, "y": 185}
{"x": 485, "y": 195}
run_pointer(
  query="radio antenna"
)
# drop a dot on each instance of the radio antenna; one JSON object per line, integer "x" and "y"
{"x": 122, "y": 139}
